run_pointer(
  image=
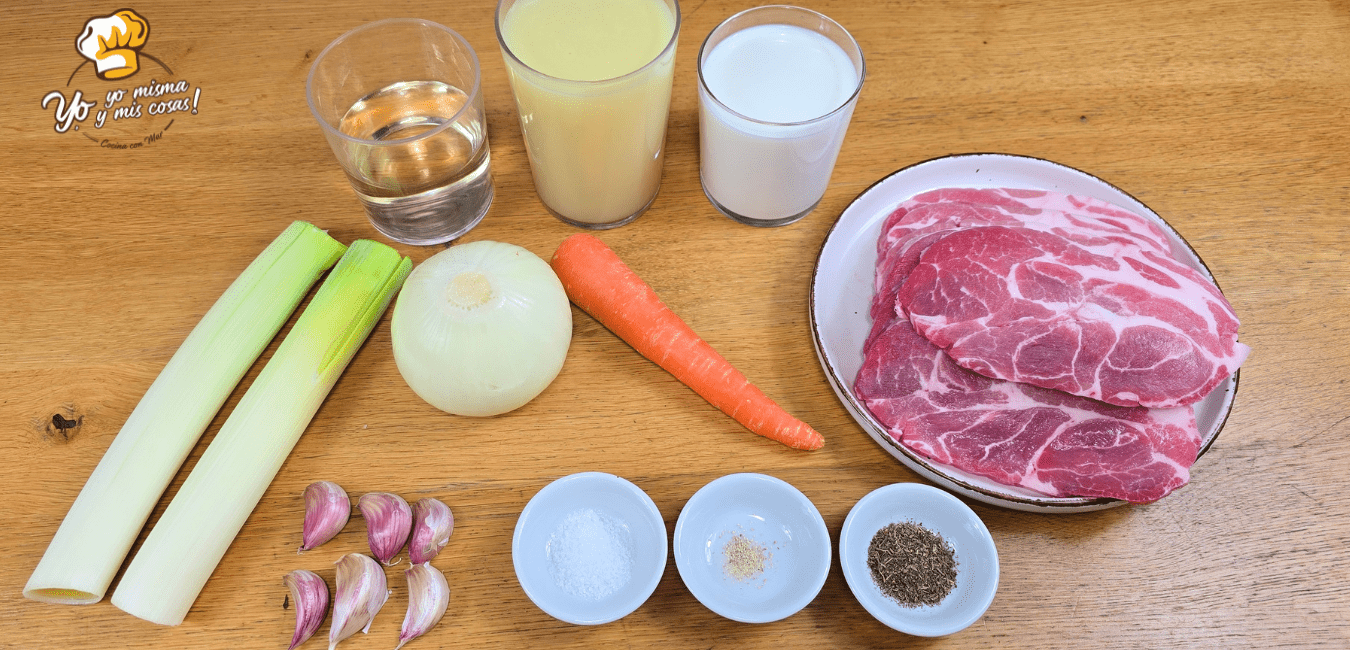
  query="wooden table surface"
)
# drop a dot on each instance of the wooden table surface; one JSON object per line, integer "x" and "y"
{"x": 1228, "y": 118}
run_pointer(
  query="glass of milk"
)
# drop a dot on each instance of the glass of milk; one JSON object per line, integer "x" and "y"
{"x": 592, "y": 81}
{"x": 777, "y": 87}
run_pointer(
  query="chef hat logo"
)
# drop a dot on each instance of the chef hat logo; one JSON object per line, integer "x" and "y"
{"x": 113, "y": 43}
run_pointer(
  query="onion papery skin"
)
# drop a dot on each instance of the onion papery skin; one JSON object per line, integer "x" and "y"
{"x": 485, "y": 357}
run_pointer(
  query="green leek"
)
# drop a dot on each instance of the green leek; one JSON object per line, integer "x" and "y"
{"x": 109, "y": 512}
{"x": 189, "y": 540}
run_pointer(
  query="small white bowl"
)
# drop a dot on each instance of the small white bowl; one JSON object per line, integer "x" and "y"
{"x": 941, "y": 513}
{"x": 774, "y": 516}
{"x": 620, "y": 502}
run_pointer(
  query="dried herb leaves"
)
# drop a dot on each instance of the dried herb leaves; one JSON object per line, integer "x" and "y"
{"x": 912, "y": 565}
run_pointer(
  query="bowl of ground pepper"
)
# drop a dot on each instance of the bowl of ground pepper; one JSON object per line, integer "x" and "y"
{"x": 752, "y": 548}
{"x": 918, "y": 559}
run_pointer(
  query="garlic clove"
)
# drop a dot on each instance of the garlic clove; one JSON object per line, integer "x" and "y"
{"x": 428, "y": 596}
{"x": 327, "y": 509}
{"x": 361, "y": 592}
{"x": 388, "y": 523}
{"x": 310, "y": 594}
{"x": 432, "y": 525}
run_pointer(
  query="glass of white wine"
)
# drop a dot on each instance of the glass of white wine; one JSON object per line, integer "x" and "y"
{"x": 401, "y": 104}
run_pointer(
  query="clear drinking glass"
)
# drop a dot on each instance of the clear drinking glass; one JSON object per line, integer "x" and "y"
{"x": 595, "y": 146}
{"x": 777, "y": 87}
{"x": 400, "y": 103}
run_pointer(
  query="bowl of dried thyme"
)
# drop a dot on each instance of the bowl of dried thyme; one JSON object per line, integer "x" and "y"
{"x": 752, "y": 548}
{"x": 918, "y": 559}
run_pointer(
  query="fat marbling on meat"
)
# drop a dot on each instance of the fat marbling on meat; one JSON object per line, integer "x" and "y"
{"x": 1106, "y": 320}
{"x": 1015, "y": 434}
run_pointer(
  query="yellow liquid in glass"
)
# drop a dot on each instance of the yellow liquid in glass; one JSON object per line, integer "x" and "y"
{"x": 587, "y": 40}
{"x": 595, "y": 126}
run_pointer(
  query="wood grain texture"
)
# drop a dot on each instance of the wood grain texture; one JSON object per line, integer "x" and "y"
{"x": 1227, "y": 117}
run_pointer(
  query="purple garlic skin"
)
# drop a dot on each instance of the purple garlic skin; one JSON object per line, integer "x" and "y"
{"x": 388, "y": 524}
{"x": 310, "y": 594}
{"x": 432, "y": 525}
{"x": 327, "y": 510}
{"x": 361, "y": 592}
{"x": 428, "y": 596}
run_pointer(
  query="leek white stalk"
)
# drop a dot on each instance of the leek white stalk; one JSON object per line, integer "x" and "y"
{"x": 203, "y": 518}
{"x": 109, "y": 512}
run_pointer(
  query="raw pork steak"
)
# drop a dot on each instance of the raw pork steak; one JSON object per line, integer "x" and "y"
{"x": 1101, "y": 319}
{"x": 1028, "y": 205}
{"x": 1043, "y": 440}
{"x": 1015, "y": 434}
{"x": 927, "y": 217}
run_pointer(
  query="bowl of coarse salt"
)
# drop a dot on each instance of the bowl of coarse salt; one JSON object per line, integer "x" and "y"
{"x": 752, "y": 548}
{"x": 589, "y": 548}
{"x": 918, "y": 559}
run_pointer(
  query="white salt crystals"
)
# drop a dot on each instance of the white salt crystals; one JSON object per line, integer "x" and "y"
{"x": 589, "y": 548}
{"x": 590, "y": 554}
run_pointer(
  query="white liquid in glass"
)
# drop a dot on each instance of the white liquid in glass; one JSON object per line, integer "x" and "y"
{"x": 776, "y": 164}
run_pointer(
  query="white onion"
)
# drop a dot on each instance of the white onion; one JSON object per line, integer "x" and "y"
{"x": 481, "y": 328}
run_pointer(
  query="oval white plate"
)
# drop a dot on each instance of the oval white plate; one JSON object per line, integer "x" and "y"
{"x": 841, "y": 300}
{"x": 611, "y": 496}
{"x": 941, "y": 513}
{"x": 773, "y": 514}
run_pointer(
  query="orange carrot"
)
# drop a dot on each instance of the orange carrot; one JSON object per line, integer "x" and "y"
{"x": 602, "y": 285}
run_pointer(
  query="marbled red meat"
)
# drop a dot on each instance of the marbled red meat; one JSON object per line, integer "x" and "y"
{"x": 1106, "y": 320}
{"x": 1015, "y": 434}
{"x": 927, "y": 217}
